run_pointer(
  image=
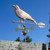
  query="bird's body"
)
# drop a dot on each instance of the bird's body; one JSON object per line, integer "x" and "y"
{"x": 22, "y": 14}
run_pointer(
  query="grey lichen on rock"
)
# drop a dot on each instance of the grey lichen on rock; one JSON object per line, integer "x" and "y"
{"x": 10, "y": 45}
{"x": 20, "y": 47}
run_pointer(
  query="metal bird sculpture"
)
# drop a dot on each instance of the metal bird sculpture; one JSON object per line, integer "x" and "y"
{"x": 25, "y": 16}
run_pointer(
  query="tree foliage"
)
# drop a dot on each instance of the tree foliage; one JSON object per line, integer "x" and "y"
{"x": 18, "y": 39}
{"x": 27, "y": 39}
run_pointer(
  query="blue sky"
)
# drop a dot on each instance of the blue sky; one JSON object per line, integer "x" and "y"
{"x": 38, "y": 9}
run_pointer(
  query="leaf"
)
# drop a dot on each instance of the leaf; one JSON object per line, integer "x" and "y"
{"x": 32, "y": 28}
{"x": 24, "y": 28}
{"x": 16, "y": 30}
{"x": 28, "y": 30}
{"x": 19, "y": 26}
{"x": 13, "y": 21}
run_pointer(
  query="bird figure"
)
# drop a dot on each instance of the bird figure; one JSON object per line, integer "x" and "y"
{"x": 25, "y": 16}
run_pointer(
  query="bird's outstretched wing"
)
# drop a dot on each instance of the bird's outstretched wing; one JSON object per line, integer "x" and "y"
{"x": 25, "y": 15}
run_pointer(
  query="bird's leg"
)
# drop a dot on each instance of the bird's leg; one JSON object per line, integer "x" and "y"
{"x": 24, "y": 21}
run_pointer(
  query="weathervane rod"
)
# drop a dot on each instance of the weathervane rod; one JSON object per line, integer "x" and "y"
{"x": 26, "y": 23}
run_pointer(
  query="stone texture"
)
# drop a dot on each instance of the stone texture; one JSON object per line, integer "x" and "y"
{"x": 10, "y": 45}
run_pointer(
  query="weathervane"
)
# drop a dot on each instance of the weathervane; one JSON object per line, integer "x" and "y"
{"x": 24, "y": 28}
{"x": 24, "y": 16}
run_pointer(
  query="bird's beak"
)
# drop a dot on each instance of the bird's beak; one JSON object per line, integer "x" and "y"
{"x": 13, "y": 5}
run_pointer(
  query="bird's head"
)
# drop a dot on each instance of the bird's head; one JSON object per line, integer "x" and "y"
{"x": 15, "y": 6}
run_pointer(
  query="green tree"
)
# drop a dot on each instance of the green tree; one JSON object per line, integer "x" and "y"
{"x": 18, "y": 39}
{"x": 28, "y": 39}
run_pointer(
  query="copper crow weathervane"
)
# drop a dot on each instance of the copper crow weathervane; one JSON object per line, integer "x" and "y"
{"x": 25, "y": 16}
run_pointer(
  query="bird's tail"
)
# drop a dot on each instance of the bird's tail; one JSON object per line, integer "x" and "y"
{"x": 33, "y": 21}
{"x": 41, "y": 25}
